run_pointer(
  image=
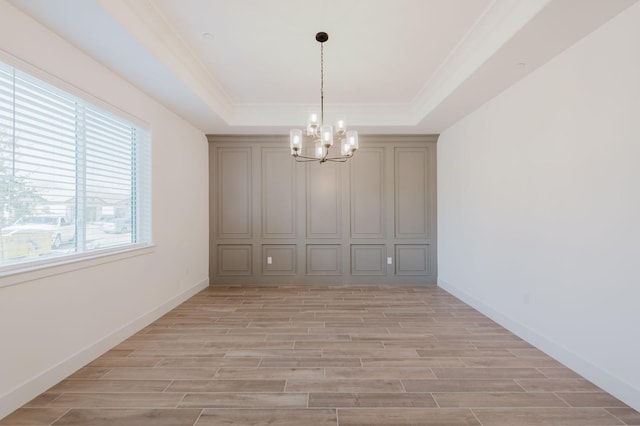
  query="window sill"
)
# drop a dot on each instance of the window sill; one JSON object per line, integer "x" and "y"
{"x": 32, "y": 272}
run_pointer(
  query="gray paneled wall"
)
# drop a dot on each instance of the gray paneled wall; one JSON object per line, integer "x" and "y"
{"x": 370, "y": 220}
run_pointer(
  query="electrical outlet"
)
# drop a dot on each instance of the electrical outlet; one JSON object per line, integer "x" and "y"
{"x": 389, "y": 261}
{"x": 269, "y": 260}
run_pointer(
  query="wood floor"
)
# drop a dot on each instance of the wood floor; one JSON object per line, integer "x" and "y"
{"x": 324, "y": 356}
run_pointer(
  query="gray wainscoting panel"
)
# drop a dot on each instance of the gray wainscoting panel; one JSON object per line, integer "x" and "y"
{"x": 234, "y": 193}
{"x": 278, "y": 194}
{"x": 411, "y": 209}
{"x": 283, "y": 259}
{"x": 368, "y": 259}
{"x": 323, "y": 200}
{"x": 412, "y": 259}
{"x": 324, "y": 259}
{"x": 367, "y": 193}
{"x": 235, "y": 259}
{"x": 330, "y": 223}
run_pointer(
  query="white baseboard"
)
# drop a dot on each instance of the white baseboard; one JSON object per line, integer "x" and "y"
{"x": 25, "y": 392}
{"x": 617, "y": 387}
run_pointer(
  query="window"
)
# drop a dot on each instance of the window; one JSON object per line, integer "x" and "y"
{"x": 74, "y": 178}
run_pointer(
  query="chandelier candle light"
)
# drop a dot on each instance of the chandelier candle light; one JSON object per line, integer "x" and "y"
{"x": 322, "y": 135}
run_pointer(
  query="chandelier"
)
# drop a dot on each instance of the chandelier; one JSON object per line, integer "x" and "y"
{"x": 320, "y": 136}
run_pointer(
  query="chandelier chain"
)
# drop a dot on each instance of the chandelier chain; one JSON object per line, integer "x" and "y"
{"x": 321, "y": 83}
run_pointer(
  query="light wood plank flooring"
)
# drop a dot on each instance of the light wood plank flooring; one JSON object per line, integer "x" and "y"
{"x": 346, "y": 356}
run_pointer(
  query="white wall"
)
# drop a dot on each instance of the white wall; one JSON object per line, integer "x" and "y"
{"x": 539, "y": 207}
{"x": 51, "y": 326}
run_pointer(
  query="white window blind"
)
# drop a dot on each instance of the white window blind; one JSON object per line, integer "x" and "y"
{"x": 74, "y": 178}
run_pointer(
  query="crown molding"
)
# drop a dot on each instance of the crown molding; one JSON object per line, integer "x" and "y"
{"x": 495, "y": 27}
{"x": 284, "y": 139}
{"x": 152, "y": 29}
{"x": 499, "y": 23}
{"x": 476, "y": 62}
{"x": 292, "y": 115}
{"x": 501, "y": 20}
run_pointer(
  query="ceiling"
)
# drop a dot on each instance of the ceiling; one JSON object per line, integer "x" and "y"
{"x": 391, "y": 66}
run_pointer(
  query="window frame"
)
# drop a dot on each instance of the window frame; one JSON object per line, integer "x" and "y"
{"x": 15, "y": 273}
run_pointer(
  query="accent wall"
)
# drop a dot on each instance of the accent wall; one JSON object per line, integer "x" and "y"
{"x": 370, "y": 220}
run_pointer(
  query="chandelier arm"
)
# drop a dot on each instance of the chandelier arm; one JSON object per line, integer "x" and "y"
{"x": 305, "y": 159}
{"x": 342, "y": 159}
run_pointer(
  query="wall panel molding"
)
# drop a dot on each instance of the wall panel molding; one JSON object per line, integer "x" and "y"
{"x": 235, "y": 259}
{"x": 324, "y": 259}
{"x": 367, "y": 193}
{"x": 368, "y": 259}
{"x": 412, "y": 259}
{"x": 412, "y": 192}
{"x": 283, "y": 259}
{"x": 323, "y": 200}
{"x": 278, "y": 193}
{"x": 234, "y": 190}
